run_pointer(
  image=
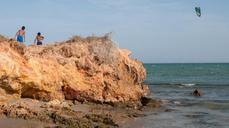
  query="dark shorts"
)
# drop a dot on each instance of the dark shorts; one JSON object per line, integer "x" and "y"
{"x": 39, "y": 43}
{"x": 20, "y": 38}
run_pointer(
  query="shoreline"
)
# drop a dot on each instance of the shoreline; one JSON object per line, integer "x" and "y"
{"x": 72, "y": 114}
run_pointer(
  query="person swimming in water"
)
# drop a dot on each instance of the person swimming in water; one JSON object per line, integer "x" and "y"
{"x": 197, "y": 92}
{"x": 20, "y": 35}
{"x": 39, "y": 38}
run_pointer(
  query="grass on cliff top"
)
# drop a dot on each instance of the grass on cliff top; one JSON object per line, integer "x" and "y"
{"x": 90, "y": 38}
{"x": 3, "y": 38}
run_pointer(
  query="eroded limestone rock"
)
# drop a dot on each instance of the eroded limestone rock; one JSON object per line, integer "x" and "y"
{"x": 91, "y": 69}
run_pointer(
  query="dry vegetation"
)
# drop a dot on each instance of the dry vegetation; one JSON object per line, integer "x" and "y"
{"x": 3, "y": 38}
{"x": 90, "y": 38}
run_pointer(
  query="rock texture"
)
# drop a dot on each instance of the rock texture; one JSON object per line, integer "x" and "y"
{"x": 84, "y": 69}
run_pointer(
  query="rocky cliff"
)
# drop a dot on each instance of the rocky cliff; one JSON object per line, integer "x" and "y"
{"x": 84, "y": 69}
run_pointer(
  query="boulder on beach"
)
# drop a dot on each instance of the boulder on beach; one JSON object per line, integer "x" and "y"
{"x": 90, "y": 69}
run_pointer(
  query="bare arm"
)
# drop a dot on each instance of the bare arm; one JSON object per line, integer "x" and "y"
{"x": 35, "y": 40}
{"x": 24, "y": 36}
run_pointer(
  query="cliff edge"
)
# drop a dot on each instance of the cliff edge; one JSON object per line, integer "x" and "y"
{"x": 84, "y": 69}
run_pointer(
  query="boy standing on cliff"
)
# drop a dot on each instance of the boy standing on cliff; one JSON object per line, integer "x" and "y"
{"x": 39, "y": 38}
{"x": 20, "y": 35}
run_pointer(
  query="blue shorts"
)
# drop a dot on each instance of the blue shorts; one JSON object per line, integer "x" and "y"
{"x": 20, "y": 38}
{"x": 39, "y": 43}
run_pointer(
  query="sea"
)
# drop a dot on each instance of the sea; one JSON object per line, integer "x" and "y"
{"x": 174, "y": 84}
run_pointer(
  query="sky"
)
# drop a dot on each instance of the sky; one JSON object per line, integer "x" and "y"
{"x": 156, "y": 31}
